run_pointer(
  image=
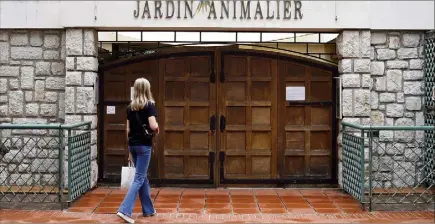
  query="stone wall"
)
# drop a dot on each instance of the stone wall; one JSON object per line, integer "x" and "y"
{"x": 382, "y": 78}
{"x": 47, "y": 76}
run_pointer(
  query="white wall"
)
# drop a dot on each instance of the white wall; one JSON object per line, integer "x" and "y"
{"x": 317, "y": 15}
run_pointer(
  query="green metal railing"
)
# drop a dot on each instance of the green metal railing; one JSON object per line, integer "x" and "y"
{"x": 33, "y": 158}
{"x": 388, "y": 165}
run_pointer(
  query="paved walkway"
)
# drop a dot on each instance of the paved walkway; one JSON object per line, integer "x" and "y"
{"x": 222, "y": 206}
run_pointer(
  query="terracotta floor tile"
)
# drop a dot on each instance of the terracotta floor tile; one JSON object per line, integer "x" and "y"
{"x": 301, "y": 210}
{"x": 81, "y": 209}
{"x": 218, "y": 211}
{"x": 191, "y": 210}
{"x": 217, "y": 192}
{"x": 245, "y": 200}
{"x": 273, "y": 210}
{"x": 166, "y": 210}
{"x": 244, "y": 205}
{"x": 114, "y": 200}
{"x": 353, "y": 210}
{"x": 288, "y": 192}
{"x": 271, "y": 200}
{"x": 270, "y": 205}
{"x": 165, "y": 205}
{"x": 246, "y": 211}
{"x": 297, "y": 205}
{"x": 166, "y": 200}
{"x": 221, "y": 205}
{"x": 328, "y": 210}
{"x": 106, "y": 210}
{"x": 241, "y": 192}
{"x": 264, "y": 192}
{"x": 323, "y": 205}
{"x": 288, "y": 199}
{"x": 218, "y": 200}
{"x": 192, "y": 200}
{"x": 191, "y": 205}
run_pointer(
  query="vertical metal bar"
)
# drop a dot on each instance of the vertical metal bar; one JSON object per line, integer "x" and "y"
{"x": 370, "y": 168}
{"x": 61, "y": 167}
{"x": 362, "y": 169}
{"x": 69, "y": 165}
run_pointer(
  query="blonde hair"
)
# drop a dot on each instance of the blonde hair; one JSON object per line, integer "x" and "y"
{"x": 142, "y": 94}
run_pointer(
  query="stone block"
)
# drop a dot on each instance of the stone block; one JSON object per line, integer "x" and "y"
{"x": 89, "y": 78}
{"x": 93, "y": 119}
{"x": 385, "y": 54}
{"x": 362, "y": 102}
{"x": 4, "y": 52}
{"x": 70, "y": 100}
{"x": 416, "y": 64}
{"x": 94, "y": 152}
{"x": 3, "y": 85}
{"x": 14, "y": 84}
{"x": 9, "y": 71}
{"x": 55, "y": 83}
{"x": 351, "y": 80}
{"x": 347, "y": 102}
{"x": 50, "y": 97}
{"x": 345, "y": 66}
{"x": 71, "y": 119}
{"x": 380, "y": 84}
{"x": 90, "y": 43}
{"x": 57, "y": 68}
{"x": 348, "y": 44}
{"x": 361, "y": 65}
{"x": 16, "y": 103}
{"x": 39, "y": 90}
{"x": 85, "y": 100}
{"x": 407, "y": 53}
{"x": 70, "y": 63}
{"x": 387, "y": 97}
{"x": 19, "y": 39}
{"x": 4, "y": 110}
{"x": 378, "y": 38}
{"x": 377, "y": 68}
{"x": 73, "y": 78}
{"x": 32, "y": 109}
{"x": 45, "y": 165}
{"x": 397, "y": 64}
{"x": 374, "y": 100}
{"x": 74, "y": 42}
{"x": 413, "y": 88}
{"x": 365, "y": 44}
{"x": 377, "y": 118}
{"x": 419, "y": 118}
{"x": 394, "y": 42}
{"x": 94, "y": 173}
{"x": 394, "y": 80}
{"x": 61, "y": 113}
{"x": 395, "y": 110}
{"x": 410, "y": 39}
{"x": 48, "y": 110}
{"x": 4, "y": 35}
{"x": 36, "y": 38}
{"x": 43, "y": 68}
{"x": 409, "y": 114}
{"x": 87, "y": 64}
{"x": 400, "y": 97}
{"x": 51, "y": 55}
{"x": 366, "y": 81}
{"x": 421, "y": 52}
{"x": 51, "y": 41}
{"x": 413, "y": 75}
{"x": 413, "y": 103}
{"x": 27, "y": 77}
{"x": 26, "y": 53}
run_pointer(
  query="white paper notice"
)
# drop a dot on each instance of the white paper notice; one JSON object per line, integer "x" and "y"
{"x": 131, "y": 93}
{"x": 295, "y": 93}
{"x": 110, "y": 109}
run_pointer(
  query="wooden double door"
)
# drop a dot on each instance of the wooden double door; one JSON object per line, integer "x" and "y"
{"x": 225, "y": 118}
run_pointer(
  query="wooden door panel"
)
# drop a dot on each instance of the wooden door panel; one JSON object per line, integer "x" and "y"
{"x": 247, "y": 100}
{"x": 189, "y": 102}
{"x": 306, "y": 126}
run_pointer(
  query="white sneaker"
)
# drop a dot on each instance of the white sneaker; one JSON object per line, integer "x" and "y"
{"x": 126, "y": 218}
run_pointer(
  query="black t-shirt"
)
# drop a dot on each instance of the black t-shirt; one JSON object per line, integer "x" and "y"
{"x": 136, "y": 135}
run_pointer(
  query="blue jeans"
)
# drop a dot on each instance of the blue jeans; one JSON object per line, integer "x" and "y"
{"x": 141, "y": 158}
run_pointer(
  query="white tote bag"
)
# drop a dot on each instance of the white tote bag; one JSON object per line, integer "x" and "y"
{"x": 127, "y": 175}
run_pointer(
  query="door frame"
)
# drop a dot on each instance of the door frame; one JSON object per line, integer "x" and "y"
{"x": 217, "y": 161}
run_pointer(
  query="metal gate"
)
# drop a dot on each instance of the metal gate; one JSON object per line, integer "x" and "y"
{"x": 429, "y": 104}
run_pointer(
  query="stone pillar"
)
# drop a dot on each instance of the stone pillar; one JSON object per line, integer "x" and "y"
{"x": 353, "y": 50}
{"x": 81, "y": 70}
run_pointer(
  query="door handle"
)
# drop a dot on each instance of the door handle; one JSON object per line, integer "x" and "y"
{"x": 212, "y": 123}
{"x": 223, "y": 123}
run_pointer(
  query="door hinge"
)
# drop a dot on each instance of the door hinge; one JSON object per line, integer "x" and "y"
{"x": 213, "y": 123}
{"x": 212, "y": 77}
{"x": 222, "y": 76}
{"x": 223, "y": 123}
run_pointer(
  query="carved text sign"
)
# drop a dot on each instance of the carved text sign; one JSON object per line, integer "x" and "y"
{"x": 222, "y": 10}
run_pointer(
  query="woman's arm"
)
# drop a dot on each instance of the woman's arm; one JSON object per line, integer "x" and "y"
{"x": 153, "y": 124}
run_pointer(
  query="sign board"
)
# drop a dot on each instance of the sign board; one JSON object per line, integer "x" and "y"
{"x": 111, "y": 110}
{"x": 295, "y": 93}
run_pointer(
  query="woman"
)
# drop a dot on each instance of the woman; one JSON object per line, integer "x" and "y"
{"x": 141, "y": 109}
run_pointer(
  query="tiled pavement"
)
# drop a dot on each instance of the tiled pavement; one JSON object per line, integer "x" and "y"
{"x": 223, "y": 206}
